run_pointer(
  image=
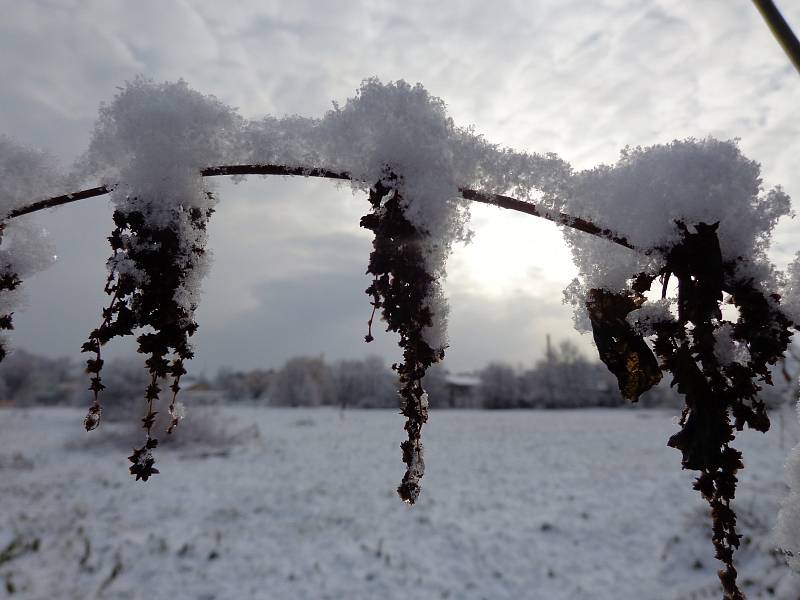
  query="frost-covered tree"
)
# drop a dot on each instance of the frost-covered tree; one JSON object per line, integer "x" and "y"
{"x": 693, "y": 210}
{"x": 303, "y": 381}
{"x": 500, "y": 386}
{"x": 364, "y": 383}
{"x": 27, "y": 379}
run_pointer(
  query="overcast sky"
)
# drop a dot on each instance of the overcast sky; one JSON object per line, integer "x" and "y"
{"x": 579, "y": 78}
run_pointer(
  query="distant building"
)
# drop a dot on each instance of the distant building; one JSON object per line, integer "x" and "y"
{"x": 462, "y": 391}
{"x": 199, "y": 391}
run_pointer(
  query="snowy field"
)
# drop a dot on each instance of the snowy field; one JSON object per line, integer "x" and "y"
{"x": 542, "y": 505}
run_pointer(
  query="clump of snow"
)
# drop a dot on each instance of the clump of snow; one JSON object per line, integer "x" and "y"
{"x": 178, "y": 411}
{"x": 643, "y": 196}
{"x": 543, "y": 178}
{"x": 291, "y": 141}
{"x": 153, "y": 139}
{"x": 728, "y": 350}
{"x": 694, "y": 181}
{"x": 402, "y": 129}
{"x": 26, "y": 176}
{"x": 645, "y": 318}
{"x": 150, "y": 145}
{"x": 25, "y": 250}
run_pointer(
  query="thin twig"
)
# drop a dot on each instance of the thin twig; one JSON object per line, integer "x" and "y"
{"x": 58, "y": 201}
{"x": 556, "y": 217}
{"x": 494, "y": 199}
{"x": 781, "y": 30}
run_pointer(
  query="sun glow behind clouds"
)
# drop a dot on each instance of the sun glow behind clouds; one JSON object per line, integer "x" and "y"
{"x": 511, "y": 252}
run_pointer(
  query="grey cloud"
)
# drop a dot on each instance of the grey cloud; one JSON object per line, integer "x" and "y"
{"x": 579, "y": 78}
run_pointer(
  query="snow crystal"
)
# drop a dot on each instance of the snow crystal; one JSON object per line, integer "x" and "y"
{"x": 644, "y": 318}
{"x": 727, "y": 350}
{"x": 291, "y": 141}
{"x": 543, "y": 178}
{"x": 122, "y": 265}
{"x": 178, "y": 411}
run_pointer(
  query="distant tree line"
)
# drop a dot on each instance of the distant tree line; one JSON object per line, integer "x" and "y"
{"x": 563, "y": 378}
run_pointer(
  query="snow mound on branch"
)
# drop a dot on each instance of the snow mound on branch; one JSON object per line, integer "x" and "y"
{"x": 151, "y": 142}
{"x": 650, "y": 189}
{"x": 150, "y": 145}
{"x": 402, "y": 129}
{"x": 693, "y": 181}
{"x": 291, "y": 141}
{"x": 543, "y": 178}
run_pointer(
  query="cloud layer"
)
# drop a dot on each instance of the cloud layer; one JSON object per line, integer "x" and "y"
{"x": 582, "y": 79}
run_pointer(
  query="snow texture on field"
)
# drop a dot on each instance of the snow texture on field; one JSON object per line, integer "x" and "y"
{"x": 558, "y": 504}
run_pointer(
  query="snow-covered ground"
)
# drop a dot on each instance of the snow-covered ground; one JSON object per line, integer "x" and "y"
{"x": 518, "y": 505}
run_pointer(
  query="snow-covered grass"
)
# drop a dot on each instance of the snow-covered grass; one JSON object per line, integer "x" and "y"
{"x": 550, "y": 505}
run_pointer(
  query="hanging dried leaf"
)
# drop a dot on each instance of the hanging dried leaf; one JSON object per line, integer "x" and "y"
{"x": 623, "y": 351}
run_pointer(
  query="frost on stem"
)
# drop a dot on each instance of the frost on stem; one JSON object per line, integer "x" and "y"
{"x": 402, "y": 288}
{"x": 150, "y": 145}
{"x": 401, "y": 137}
{"x": 721, "y": 395}
{"x": 698, "y": 211}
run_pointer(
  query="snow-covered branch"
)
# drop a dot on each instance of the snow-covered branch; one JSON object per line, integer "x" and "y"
{"x": 692, "y": 209}
{"x": 507, "y": 202}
